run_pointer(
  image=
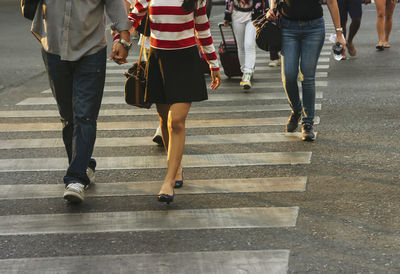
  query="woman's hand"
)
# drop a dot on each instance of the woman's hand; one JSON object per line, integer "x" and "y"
{"x": 216, "y": 79}
{"x": 341, "y": 40}
{"x": 271, "y": 15}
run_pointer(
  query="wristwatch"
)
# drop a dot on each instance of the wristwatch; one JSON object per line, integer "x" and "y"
{"x": 127, "y": 45}
{"x": 339, "y": 29}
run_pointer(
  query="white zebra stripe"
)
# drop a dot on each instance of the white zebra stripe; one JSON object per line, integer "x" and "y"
{"x": 146, "y": 141}
{"x": 146, "y": 162}
{"x": 217, "y": 218}
{"x": 45, "y": 191}
{"x": 217, "y": 262}
{"x": 22, "y": 127}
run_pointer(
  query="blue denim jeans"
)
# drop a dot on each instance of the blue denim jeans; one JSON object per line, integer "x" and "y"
{"x": 302, "y": 42}
{"x": 78, "y": 88}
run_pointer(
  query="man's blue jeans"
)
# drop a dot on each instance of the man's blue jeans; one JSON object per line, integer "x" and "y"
{"x": 302, "y": 42}
{"x": 78, "y": 88}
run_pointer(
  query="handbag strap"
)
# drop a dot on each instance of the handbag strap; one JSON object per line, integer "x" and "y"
{"x": 142, "y": 46}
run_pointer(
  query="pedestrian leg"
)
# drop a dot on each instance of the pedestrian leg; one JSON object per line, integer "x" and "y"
{"x": 88, "y": 85}
{"x": 390, "y": 5}
{"x": 60, "y": 77}
{"x": 176, "y": 133}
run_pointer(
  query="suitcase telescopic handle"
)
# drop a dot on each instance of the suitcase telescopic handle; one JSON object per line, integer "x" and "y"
{"x": 220, "y": 25}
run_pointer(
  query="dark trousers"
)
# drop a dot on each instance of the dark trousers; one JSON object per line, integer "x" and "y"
{"x": 78, "y": 88}
{"x": 273, "y": 55}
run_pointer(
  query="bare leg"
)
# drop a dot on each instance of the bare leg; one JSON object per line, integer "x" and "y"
{"x": 390, "y": 5}
{"x": 354, "y": 26}
{"x": 380, "y": 18}
{"x": 163, "y": 110}
{"x": 176, "y": 141}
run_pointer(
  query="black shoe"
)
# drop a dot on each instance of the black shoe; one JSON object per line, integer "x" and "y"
{"x": 165, "y": 198}
{"x": 307, "y": 132}
{"x": 179, "y": 183}
{"x": 157, "y": 138}
{"x": 293, "y": 121}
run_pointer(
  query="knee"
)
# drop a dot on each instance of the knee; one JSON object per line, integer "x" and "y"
{"x": 380, "y": 14}
{"x": 290, "y": 76}
{"x": 176, "y": 125}
{"x": 163, "y": 120}
{"x": 85, "y": 120}
{"x": 388, "y": 17}
{"x": 67, "y": 123}
{"x": 249, "y": 45}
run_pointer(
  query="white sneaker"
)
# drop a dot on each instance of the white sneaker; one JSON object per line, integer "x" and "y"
{"x": 274, "y": 63}
{"x": 246, "y": 80}
{"x": 74, "y": 193}
{"x": 91, "y": 176}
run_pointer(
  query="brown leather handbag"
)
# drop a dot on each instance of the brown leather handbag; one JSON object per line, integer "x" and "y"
{"x": 135, "y": 86}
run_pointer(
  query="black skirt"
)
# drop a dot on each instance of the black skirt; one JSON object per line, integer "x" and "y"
{"x": 175, "y": 76}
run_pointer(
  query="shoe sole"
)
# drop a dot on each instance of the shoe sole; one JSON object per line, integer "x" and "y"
{"x": 246, "y": 86}
{"x": 165, "y": 199}
{"x": 73, "y": 197}
{"x": 158, "y": 140}
{"x": 178, "y": 184}
{"x": 293, "y": 130}
{"x": 308, "y": 139}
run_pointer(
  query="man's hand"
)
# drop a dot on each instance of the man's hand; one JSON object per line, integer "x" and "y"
{"x": 366, "y": 2}
{"x": 119, "y": 53}
{"x": 216, "y": 79}
{"x": 271, "y": 15}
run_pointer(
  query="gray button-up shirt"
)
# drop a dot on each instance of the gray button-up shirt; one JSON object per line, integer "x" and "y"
{"x": 76, "y": 28}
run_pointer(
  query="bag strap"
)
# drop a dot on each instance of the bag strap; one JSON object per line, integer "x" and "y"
{"x": 142, "y": 46}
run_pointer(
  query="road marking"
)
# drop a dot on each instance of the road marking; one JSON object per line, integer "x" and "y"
{"x": 130, "y": 125}
{"x": 119, "y": 100}
{"x": 145, "y": 162}
{"x": 217, "y": 262}
{"x": 256, "y": 81}
{"x": 264, "y": 68}
{"x": 147, "y": 141}
{"x": 111, "y": 64}
{"x": 45, "y": 191}
{"x": 218, "y": 218}
{"x": 269, "y": 85}
{"x": 275, "y": 76}
{"x": 195, "y": 109}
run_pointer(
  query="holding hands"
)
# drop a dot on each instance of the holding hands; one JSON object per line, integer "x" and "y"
{"x": 119, "y": 51}
{"x": 272, "y": 15}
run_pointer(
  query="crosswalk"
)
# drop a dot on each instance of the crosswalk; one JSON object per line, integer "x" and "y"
{"x": 225, "y": 119}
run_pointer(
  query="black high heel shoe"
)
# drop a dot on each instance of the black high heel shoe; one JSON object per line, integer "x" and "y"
{"x": 179, "y": 183}
{"x": 166, "y": 198}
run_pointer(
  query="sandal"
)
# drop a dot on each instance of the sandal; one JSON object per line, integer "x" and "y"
{"x": 379, "y": 47}
{"x": 351, "y": 49}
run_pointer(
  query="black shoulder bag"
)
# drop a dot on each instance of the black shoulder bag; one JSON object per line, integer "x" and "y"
{"x": 135, "y": 85}
{"x": 28, "y": 8}
{"x": 268, "y": 33}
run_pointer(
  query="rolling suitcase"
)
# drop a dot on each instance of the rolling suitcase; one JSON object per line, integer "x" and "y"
{"x": 228, "y": 55}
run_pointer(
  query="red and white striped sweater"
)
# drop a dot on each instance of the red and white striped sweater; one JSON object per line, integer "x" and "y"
{"x": 174, "y": 28}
